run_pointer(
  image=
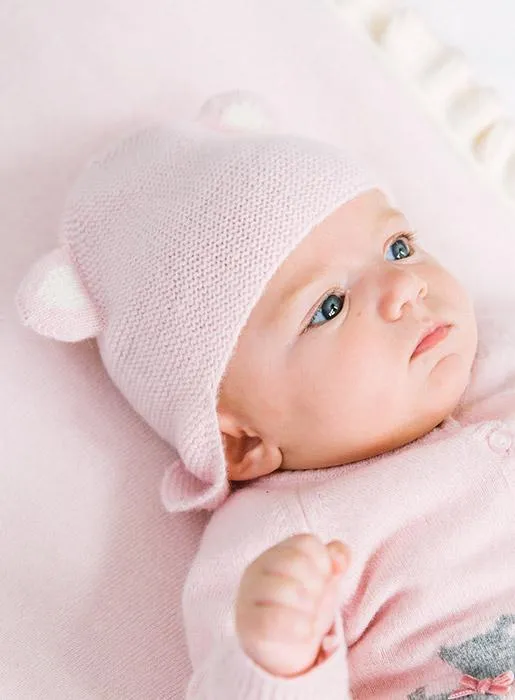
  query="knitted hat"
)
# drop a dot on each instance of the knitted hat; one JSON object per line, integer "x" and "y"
{"x": 167, "y": 243}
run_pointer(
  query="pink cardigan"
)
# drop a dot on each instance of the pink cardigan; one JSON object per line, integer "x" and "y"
{"x": 428, "y": 605}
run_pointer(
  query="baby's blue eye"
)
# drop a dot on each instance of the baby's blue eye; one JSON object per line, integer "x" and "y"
{"x": 328, "y": 309}
{"x": 401, "y": 248}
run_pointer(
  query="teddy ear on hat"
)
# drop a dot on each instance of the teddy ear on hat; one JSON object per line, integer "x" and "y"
{"x": 52, "y": 301}
{"x": 236, "y": 111}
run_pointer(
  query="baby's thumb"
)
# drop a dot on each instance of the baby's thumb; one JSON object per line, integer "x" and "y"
{"x": 340, "y": 555}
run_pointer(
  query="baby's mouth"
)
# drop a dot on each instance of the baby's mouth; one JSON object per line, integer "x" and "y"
{"x": 431, "y": 337}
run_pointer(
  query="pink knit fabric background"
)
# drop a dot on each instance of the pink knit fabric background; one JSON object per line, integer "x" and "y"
{"x": 92, "y": 567}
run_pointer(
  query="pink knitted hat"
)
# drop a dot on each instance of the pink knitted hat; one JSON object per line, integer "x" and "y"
{"x": 167, "y": 243}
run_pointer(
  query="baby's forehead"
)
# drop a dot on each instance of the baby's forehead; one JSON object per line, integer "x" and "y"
{"x": 346, "y": 230}
{"x": 366, "y": 213}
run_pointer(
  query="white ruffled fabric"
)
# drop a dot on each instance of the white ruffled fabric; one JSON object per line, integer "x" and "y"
{"x": 472, "y": 115}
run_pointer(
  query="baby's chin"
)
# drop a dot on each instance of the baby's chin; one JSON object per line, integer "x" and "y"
{"x": 436, "y": 411}
{"x": 446, "y": 387}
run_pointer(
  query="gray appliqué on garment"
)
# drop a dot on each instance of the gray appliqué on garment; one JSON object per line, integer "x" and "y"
{"x": 485, "y": 656}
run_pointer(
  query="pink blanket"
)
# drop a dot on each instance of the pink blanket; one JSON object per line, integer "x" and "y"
{"x": 92, "y": 568}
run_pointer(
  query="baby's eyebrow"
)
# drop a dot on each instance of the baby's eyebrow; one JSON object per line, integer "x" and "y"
{"x": 387, "y": 217}
{"x": 301, "y": 286}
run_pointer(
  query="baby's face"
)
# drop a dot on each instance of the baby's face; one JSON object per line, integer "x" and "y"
{"x": 335, "y": 363}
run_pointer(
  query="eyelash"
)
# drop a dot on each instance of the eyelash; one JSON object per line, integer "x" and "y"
{"x": 410, "y": 236}
{"x": 337, "y": 291}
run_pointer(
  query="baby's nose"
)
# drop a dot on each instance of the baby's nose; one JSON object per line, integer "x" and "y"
{"x": 401, "y": 288}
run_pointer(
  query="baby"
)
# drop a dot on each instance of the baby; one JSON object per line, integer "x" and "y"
{"x": 263, "y": 306}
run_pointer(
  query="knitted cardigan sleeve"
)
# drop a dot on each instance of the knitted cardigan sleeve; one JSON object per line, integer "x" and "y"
{"x": 249, "y": 523}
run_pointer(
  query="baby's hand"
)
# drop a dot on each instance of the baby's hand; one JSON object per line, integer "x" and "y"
{"x": 287, "y": 603}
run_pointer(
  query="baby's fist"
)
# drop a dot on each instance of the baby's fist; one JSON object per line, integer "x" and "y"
{"x": 287, "y": 603}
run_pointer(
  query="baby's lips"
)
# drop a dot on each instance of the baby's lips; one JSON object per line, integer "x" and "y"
{"x": 340, "y": 554}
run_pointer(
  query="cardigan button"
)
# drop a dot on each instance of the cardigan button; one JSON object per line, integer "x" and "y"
{"x": 500, "y": 441}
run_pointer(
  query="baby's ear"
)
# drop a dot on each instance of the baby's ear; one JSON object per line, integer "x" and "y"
{"x": 236, "y": 111}
{"x": 53, "y": 302}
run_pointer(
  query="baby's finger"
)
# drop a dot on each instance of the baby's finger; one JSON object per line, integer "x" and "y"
{"x": 340, "y": 555}
{"x": 274, "y": 623}
{"x": 284, "y": 590}
{"x": 314, "y": 549}
{"x": 294, "y": 564}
